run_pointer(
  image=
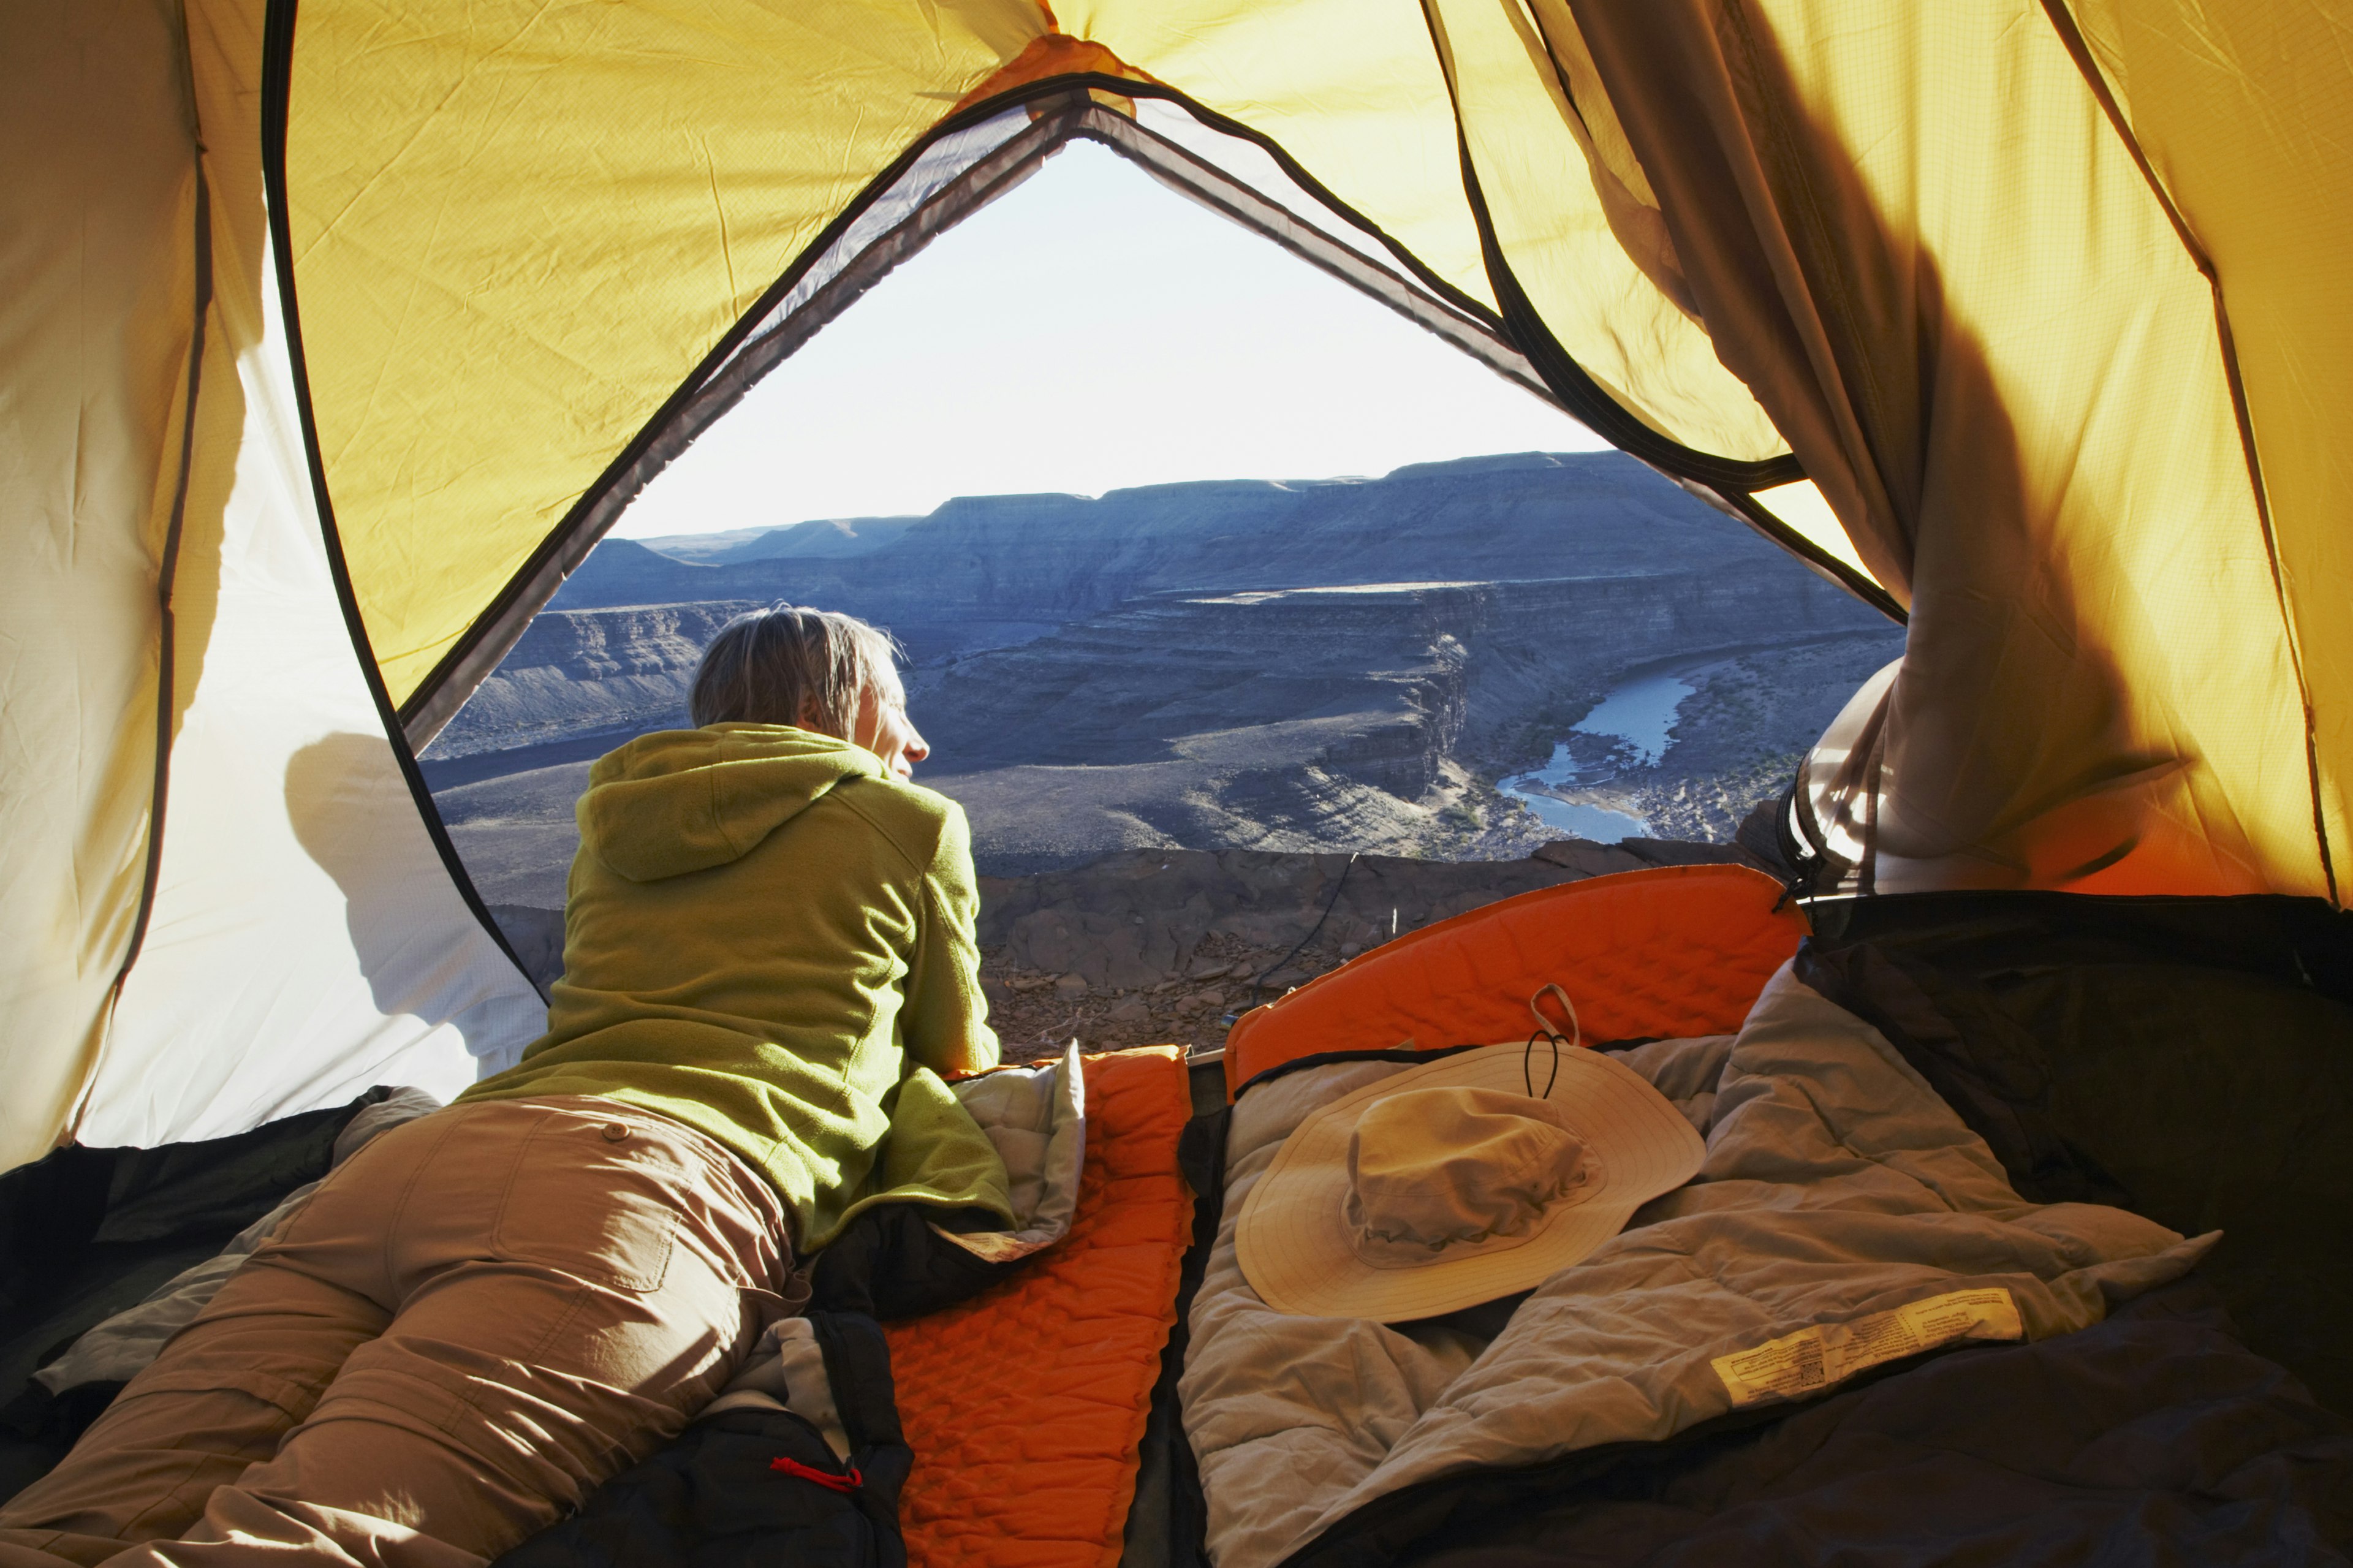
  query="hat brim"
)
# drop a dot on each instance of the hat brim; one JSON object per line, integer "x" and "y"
{"x": 1293, "y": 1239}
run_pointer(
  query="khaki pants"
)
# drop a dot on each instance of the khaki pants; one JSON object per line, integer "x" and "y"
{"x": 479, "y": 1317}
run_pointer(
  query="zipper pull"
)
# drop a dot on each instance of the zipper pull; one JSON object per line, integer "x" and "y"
{"x": 844, "y": 1484}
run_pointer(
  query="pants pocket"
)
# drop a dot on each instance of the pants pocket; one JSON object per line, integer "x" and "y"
{"x": 598, "y": 1200}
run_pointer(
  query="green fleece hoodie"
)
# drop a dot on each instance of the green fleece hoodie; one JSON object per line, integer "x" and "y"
{"x": 760, "y": 931}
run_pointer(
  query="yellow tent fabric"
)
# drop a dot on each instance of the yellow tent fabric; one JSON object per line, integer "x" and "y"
{"x": 517, "y": 227}
{"x": 1593, "y": 254}
{"x": 1930, "y": 254}
{"x": 1910, "y": 243}
{"x": 304, "y": 939}
{"x": 2021, "y": 311}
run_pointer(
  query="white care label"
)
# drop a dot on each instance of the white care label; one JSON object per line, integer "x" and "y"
{"x": 1815, "y": 1358}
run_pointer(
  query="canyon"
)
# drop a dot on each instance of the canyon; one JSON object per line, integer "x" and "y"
{"x": 1350, "y": 664}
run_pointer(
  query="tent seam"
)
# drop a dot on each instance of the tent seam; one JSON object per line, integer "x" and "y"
{"x": 167, "y": 572}
{"x": 1732, "y": 500}
{"x": 585, "y": 505}
{"x": 277, "y": 97}
{"x": 1571, "y": 383}
{"x": 1522, "y": 325}
{"x": 520, "y": 595}
{"x": 1760, "y": 517}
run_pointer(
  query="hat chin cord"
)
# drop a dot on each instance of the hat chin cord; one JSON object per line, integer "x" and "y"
{"x": 1546, "y": 1032}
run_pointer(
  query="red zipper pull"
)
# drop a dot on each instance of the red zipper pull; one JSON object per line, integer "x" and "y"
{"x": 826, "y": 1478}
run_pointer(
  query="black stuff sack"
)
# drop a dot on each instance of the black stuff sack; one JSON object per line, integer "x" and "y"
{"x": 752, "y": 1489}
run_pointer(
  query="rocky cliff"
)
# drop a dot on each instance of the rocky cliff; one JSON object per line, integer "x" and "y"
{"x": 1294, "y": 720}
{"x": 576, "y": 673}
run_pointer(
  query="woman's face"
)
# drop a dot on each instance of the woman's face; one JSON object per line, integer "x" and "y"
{"x": 884, "y": 728}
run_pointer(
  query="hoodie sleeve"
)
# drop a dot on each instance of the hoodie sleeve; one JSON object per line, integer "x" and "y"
{"x": 946, "y": 1020}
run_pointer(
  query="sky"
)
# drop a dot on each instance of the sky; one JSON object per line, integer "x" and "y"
{"x": 1088, "y": 331}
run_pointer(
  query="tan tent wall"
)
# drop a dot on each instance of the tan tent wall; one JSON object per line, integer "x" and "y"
{"x": 305, "y": 939}
{"x": 97, "y": 310}
{"x": 288, "y": 934}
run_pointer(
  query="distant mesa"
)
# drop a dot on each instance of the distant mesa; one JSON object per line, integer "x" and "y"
{"x": 1056, "y": 557}
{"x": 825, "y": 538}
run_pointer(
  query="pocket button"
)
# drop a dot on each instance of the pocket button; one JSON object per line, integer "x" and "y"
{"x": 615, "y": 1133}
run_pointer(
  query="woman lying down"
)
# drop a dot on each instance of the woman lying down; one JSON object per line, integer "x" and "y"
{"x": 495, "y": 1307}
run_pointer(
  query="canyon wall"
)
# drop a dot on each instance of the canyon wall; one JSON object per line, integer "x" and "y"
{"x": 1284, "y": 667}
{"x": 583, "y": 671}
{"x": 1294, "y": 720}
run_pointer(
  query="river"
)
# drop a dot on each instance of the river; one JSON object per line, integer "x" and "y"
{"x": 1639, "y": 713}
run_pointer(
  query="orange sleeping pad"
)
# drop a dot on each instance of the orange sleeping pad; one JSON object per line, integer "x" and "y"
{"x": 1026, "y": 1404}
{"x": 1678, "y": 950}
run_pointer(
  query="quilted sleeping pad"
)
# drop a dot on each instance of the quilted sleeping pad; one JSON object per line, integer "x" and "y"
{"x": 1674, "y": 951}
{"x": 1025, "y": 1404}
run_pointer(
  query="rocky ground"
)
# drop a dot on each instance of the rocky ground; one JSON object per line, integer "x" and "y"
{"x": 1156, "y": 946}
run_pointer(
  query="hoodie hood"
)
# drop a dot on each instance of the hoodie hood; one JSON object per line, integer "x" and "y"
{"x": 686, "y": 800}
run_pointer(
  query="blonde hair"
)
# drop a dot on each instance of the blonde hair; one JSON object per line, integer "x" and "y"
{"x": 789, "y": 664}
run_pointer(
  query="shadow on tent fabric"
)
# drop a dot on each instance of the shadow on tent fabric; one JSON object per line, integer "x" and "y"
{"x": 340, "y": 791}
{"x": 2015, "y": 751}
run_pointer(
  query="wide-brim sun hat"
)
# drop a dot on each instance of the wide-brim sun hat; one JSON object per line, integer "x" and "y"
{"x": 1457, "y": 1183}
